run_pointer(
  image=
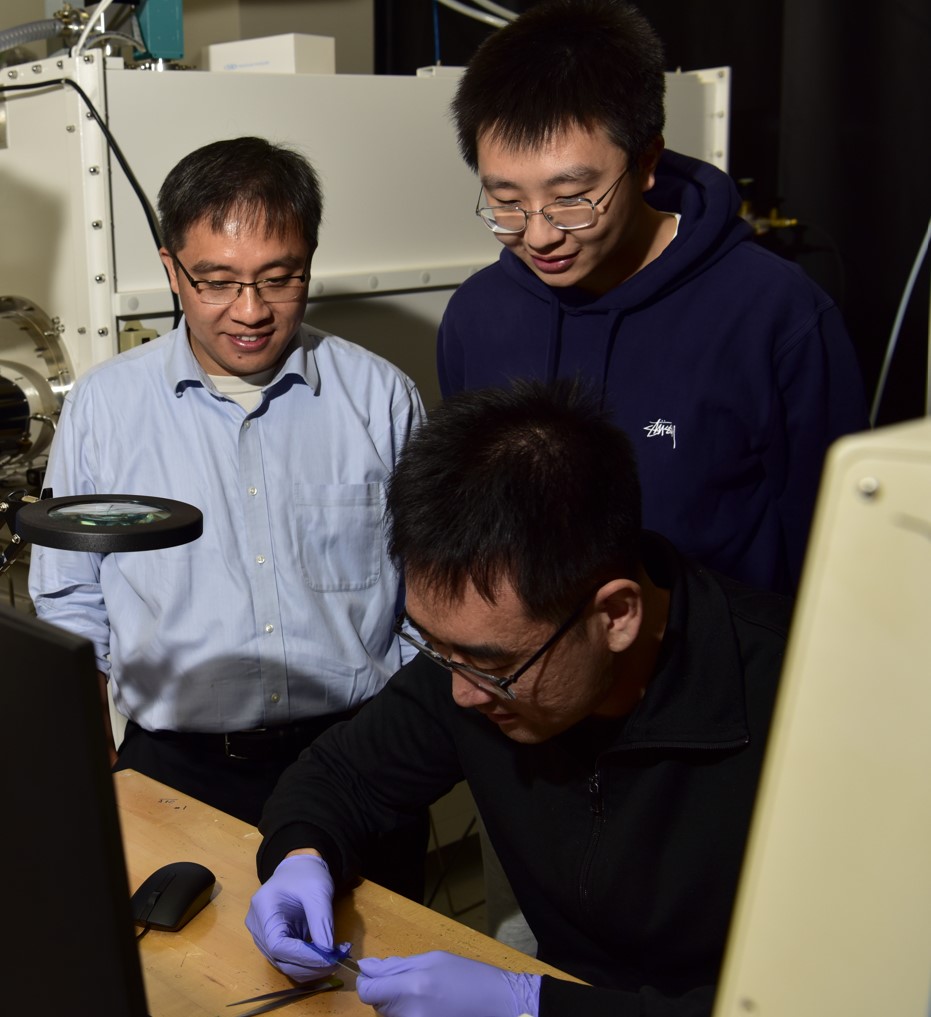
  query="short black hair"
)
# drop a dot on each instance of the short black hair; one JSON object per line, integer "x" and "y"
{"x": 563, "y": 63}
{"x": 531, "y": 485}
{"x": 258, "y": 181}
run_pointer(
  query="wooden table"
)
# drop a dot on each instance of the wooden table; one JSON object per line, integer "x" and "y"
{"x": 212, "y": 961}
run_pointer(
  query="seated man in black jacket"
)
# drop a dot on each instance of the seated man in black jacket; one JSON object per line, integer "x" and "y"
{"x": 606, "y": 698}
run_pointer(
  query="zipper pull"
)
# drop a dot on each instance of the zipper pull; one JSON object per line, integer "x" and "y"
{"x": 594, "y": 790}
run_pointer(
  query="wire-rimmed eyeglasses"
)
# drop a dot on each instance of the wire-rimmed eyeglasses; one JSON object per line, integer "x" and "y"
{"x": 564, "y": 213}
{"x": 277, "y": 289}
{"x": 496, "y": 685}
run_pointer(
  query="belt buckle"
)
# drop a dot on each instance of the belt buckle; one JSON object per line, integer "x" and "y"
{"x": 227, "y": 749}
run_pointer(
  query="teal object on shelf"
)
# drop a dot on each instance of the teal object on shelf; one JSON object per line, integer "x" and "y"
{"x": 162, "y": 27}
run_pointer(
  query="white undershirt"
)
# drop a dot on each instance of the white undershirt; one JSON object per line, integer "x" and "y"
{"x": 245, "y": 390}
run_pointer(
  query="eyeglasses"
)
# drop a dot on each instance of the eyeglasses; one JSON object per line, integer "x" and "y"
{"x": 564, "y": 214}
{"x": 497, "y": 686}
{"x": 277, "y": 290}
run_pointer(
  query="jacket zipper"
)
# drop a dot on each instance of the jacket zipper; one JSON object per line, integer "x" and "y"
{"x": 596, "y": 804}
{"x": 594, "y": 792}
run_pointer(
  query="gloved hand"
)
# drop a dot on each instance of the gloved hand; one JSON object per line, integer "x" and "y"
{"x": 434, "y": 983}
{"x": 294, "y": 906}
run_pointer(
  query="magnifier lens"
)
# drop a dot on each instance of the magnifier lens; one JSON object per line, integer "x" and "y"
{"x": 109, "y": 523}
{"x": 109, "y": 513}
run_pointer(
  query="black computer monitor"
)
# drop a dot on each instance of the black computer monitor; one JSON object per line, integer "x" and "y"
{"x": 69, "y": 941}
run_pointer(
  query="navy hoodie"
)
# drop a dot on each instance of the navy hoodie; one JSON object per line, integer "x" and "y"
{"x": 730, "y": 371}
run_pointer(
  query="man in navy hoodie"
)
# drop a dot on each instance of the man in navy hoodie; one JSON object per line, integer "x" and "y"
{"x": 629, "y": 266}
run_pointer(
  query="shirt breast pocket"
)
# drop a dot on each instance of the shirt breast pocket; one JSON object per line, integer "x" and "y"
{"x": 339, "y": 534}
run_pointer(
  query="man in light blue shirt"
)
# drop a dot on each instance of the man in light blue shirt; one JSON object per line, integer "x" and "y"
{"x": 228, "y": 655}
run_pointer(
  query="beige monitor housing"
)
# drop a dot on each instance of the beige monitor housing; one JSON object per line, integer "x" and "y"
{"x": 833, "y": 914}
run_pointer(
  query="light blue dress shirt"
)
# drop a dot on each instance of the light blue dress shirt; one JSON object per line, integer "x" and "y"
{"x": 283, "y": 609}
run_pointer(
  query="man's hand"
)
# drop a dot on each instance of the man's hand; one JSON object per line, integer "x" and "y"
{"x": 295, "y": 906}
{"x": 434, "y": 983}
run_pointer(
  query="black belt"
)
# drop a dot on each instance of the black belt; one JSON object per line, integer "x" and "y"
{"x": 261, "y": 743}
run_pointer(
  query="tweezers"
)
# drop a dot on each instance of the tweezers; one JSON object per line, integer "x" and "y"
{"x": 282, "y": 997}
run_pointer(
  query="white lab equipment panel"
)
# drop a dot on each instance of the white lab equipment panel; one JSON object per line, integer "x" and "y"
{"x": 55, "y": 205}
{"x": 697, "y": 113}
{"x": 396, "y": 194}
{"x": 834, "y": 908}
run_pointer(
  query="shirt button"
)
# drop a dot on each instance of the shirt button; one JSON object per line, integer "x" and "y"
{"x": 246, "y": 425}
{"x": 260, "y": 559}
{"x": 276, "y": 698}
{"x": 253, "y": 490}
{"x": 269, "y": 627}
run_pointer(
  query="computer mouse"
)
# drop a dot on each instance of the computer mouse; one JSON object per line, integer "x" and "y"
{"x": 172, "y": 895}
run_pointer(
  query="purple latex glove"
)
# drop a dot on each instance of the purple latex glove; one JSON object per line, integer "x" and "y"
{"x": 434, "y": 983}
{"x": 294, "y": 906}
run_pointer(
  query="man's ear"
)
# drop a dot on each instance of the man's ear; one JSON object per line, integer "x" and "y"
{"x": 169, "y": 262}
{"x": 619, "y": 609}
{"x": 648, "y": 163}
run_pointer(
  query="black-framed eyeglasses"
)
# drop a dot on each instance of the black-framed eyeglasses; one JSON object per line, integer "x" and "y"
{"x": 497, "y": 686}
{"x": 275, "y": 290}
{"x": 564, "y": 214}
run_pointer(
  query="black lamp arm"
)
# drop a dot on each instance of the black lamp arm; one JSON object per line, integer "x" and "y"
{"x": 9, "y": 506}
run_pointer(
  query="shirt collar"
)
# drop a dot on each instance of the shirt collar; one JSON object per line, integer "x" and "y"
{"x": 184, "y": 372}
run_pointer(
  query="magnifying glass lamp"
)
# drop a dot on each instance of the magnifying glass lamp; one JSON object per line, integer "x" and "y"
{"x": 104, "y": 523}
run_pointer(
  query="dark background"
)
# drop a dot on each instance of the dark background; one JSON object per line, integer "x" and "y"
{"x": 830, "y": 116}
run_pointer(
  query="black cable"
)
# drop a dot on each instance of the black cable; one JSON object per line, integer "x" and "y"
{"x": 147, "y": 209}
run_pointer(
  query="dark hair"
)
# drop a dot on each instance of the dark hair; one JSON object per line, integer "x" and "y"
{"x": 259, "y": 182}
{"x": 588, "y": 63}
{"x": 531, "y": 485}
